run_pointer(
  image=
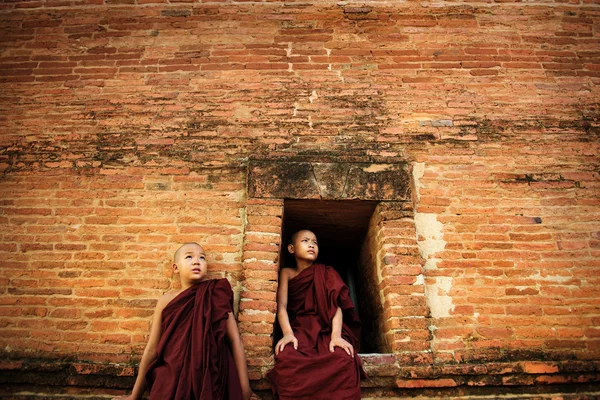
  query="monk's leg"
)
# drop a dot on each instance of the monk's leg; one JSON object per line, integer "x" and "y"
{"x": 316, "y": 377}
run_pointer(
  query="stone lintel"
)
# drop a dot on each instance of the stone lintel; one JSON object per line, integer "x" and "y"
{"x": 328, "y": 181}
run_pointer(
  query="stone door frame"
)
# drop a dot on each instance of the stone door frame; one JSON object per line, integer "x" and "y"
{"x": 398, "y": 266}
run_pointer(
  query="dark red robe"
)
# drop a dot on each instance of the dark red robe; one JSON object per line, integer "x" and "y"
{"x": 312, "y": 372}
{"x": 194, "y": 358}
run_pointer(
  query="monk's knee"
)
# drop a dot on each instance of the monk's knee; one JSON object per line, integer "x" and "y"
{"x": 342, "y": 357}
{"x": 285, "y": 356}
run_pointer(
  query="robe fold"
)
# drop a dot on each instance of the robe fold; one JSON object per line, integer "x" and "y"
{"x": 194, "y": 358}
{"x": 312, "y": 372}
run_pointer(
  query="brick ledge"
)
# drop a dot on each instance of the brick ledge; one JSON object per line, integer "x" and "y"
{"x": 384, "y": 370}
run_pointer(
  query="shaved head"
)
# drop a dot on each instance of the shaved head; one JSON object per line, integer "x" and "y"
{"x": 180, "y": 249}
{"x": 295, "y": 235}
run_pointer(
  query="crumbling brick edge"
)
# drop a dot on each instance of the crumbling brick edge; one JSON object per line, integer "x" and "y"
{"x": 384, "y": 370}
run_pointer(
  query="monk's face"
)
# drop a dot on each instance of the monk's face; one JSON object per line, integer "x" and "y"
{"x": 190, "y": 263}
{"x": 304, "y": 246}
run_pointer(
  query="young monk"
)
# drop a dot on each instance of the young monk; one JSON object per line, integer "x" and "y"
{"x": 316, "y": 357}
{"x": 194, "y": 350}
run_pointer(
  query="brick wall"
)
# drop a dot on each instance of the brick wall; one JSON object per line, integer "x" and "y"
{"x": 127, "y": 127}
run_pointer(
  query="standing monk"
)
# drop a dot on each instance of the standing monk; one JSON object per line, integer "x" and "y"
{"x": 316, "y": 357}
{"x": 194, "y": 351}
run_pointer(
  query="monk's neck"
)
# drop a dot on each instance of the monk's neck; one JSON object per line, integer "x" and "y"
{"x": 187, "y": 285}
{"x": 301, "y": 265}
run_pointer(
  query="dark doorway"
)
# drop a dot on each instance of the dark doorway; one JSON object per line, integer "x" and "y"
{"x": 341, "y": 228}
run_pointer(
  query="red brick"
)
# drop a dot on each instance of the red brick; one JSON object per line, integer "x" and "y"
{"x": 495, "y": 332}
{"x": 425, "y": 383}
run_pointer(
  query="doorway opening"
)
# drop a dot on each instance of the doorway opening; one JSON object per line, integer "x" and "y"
{"x": 346, "y": 243}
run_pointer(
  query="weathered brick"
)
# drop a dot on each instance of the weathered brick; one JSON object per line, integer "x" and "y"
{"x": 138, "y": 138}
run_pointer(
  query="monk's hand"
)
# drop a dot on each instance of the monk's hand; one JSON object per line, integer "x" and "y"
{"x": 341, "y": 342}
{"x": 249, "y": 395}
{"x": 284, "y": 341}
{"x": 124, "y": 397}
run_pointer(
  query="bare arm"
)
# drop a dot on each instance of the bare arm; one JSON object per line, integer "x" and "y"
{"x": 149, "y": 352}
{"x": 336, "y": 324}
{"x": 239, "y": 356}
{"x": 336, "y": 334}
{"x": 282, "y": 315}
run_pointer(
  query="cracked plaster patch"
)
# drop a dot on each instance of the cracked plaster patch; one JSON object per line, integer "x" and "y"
{"x": 430, "y": 239}
{"x": 438, "y": 299}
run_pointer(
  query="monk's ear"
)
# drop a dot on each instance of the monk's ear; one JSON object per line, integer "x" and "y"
{"x": 175, "y": 268}
{"x": 291, "y": 248}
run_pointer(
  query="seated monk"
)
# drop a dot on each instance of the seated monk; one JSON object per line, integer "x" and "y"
{"x": 194, "y": 350}
{"x": 316, "y": 317}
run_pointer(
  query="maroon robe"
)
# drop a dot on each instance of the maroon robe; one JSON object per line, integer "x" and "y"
{"x": 312, "y": 372}
{"x": 194, "y": 358}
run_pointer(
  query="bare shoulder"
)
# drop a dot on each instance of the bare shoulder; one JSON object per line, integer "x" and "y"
{"x": 287, "y": 273}
{"x": 166, "y": 299}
